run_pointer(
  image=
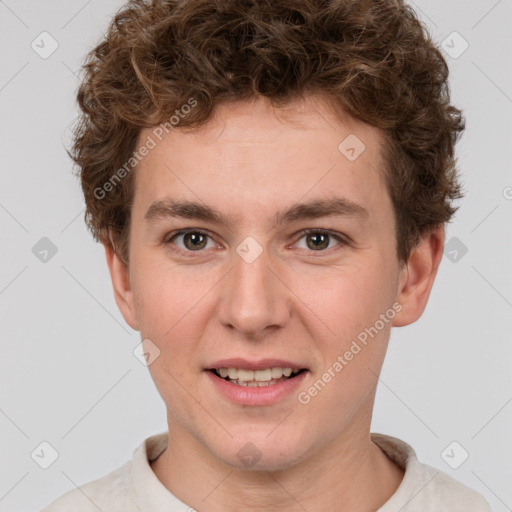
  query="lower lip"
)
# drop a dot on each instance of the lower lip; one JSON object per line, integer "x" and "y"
{"x": 265, "y": 395}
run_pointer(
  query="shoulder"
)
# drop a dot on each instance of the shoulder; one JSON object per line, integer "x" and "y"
{"x": 121, "y": 490}
{"x": 108, "y": 493}
{"x": 424, "y": 487}
{"x": 452, "y": 494}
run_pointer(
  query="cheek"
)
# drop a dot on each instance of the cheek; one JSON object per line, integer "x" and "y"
{"x": 173, "y": 307}
{"x": 165, "y": 295}
{"x": 171, "y": 314}
{"x": 334, "y": 303}
{"x": 349, "y": 333}
{"x": 350, "y": 336}
{"x": 346, "y": 299}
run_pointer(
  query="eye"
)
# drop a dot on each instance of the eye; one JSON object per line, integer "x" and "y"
{"x": 318, "y": 240}
{"x": 194, "y": 240}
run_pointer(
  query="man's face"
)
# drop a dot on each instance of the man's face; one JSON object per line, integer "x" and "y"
{"x": 255, "y": 288}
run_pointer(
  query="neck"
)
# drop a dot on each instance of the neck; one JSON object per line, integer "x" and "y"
{"x": 351, "y": 470}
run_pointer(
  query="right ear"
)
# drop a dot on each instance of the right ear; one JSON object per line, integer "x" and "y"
{"x": 120, "y": 275}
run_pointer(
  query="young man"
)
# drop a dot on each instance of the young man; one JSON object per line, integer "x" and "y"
{"x": 270, "y": 181}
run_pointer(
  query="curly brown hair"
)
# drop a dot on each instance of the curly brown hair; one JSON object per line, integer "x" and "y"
{"x": 373, "y": 58}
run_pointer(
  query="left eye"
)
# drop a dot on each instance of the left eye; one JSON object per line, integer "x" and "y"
{"x": 319, "y": 239}
{"x": 195, "y": 240}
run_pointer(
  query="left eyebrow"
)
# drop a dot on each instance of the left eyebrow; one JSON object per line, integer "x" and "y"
{"x": 336, "y": 206}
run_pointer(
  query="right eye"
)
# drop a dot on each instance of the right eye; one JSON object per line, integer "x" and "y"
{"x": 194, "y": 240}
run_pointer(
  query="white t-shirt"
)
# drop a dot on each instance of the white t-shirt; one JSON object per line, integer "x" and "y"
{"x": 134, "y": 487}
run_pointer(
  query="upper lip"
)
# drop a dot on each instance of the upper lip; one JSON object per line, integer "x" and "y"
{"x": 260, "y": 364}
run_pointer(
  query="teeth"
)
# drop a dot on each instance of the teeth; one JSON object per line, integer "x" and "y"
{"x": 255, "y": 378}
{"x": 245, "y": 375}
{"x": 262, "y": 375}
{"x": 232, "y": 373}
{"x": 276, "y": 373}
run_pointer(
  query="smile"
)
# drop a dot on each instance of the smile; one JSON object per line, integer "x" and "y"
{"x": 256, "y": 387}
{"x": 257, "y": 378}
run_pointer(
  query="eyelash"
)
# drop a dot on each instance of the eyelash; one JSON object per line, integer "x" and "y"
{"x": 342, "y": 241}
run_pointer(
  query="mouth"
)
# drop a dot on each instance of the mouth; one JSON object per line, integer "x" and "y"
{"x": 256, "y": 378}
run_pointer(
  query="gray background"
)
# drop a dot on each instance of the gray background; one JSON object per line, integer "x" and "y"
{"x": 69, "y": 376}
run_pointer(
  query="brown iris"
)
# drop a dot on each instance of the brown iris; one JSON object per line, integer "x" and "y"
{"x": 323, "y": 242}
{"x": 198, "y": 240}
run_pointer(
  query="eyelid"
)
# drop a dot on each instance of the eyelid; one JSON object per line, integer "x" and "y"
{"x": 342, "y": 239}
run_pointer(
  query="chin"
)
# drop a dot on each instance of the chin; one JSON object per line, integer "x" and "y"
{"x": 263, "y": 452}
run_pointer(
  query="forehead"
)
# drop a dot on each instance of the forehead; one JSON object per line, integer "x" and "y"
{"x": 257, "y": 121}
{"x": 252, "y": 155}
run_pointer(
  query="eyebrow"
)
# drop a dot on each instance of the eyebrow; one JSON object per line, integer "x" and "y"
{"x": 336, "y": 206}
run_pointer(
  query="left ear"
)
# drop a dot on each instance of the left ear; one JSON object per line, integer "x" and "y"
{"x": 417, "y": 276}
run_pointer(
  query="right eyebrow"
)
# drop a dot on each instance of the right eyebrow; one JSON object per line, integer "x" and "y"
{"x": 164, "y": 208}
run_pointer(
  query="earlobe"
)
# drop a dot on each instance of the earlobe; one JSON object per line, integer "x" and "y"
{"x": 120, "y": 276}
{"x": 418, "y": 275}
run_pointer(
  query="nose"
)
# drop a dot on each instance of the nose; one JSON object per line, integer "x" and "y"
{"x": 254, "y": 300}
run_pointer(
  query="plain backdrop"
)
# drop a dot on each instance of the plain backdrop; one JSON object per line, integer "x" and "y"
{"x": 68, "y": 374}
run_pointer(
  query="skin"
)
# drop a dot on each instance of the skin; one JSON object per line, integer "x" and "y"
{"x": 292, "y": 302}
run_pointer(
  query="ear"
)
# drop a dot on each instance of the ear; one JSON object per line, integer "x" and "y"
{"x": 417, "y": 277}
{"x": 120, "y": 275}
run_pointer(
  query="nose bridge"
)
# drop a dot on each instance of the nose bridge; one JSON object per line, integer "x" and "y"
{"x": 253, "y": 298}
